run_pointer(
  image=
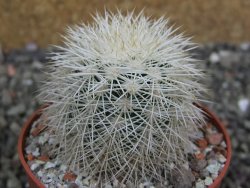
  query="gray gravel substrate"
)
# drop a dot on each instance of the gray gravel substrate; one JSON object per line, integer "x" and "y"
{"x": 228, "y": 65}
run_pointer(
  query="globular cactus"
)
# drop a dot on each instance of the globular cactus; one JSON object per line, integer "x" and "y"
{"x": 122, "y": 94}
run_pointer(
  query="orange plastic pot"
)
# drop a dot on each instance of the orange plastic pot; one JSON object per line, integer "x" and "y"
{"x": 34, "y": 182}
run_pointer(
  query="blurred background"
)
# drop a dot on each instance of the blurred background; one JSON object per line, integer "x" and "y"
{"x": 220, "y": 28}
{"x": 41, "y": 21}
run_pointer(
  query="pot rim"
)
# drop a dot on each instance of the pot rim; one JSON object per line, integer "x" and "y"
{"x": 36, "y": 114}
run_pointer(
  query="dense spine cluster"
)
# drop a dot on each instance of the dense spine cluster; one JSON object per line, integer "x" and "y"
{"x": 122, "y": 93}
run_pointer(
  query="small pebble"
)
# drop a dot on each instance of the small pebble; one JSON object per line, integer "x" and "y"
{"x": 34, "y": 166}
{"x": 15, "y": 128}
{"x": 243, "y": 104}
{"x": 221, "y": 150}
{"x": 43, "y": 139}
{"x": 200, "y": 156}
{"x": 69, "y": 176}
{"x": 204, "y": 173}
{"x": 40, "y": 173}
{"x": 245, "y": 46}
{"x": 49, "y": 165}
{"x": 60, "y": 176}
{"x": 63, "y": 168}
{"x": 30, "y": 157}
{"x": 27, "y": 82}
{"x": 86, "y": 180}
{"x": 221, "y": 158}
{"x": 59, "y": 185}
{"x": 202, "y": 143}
{"x": 40, "y": 162}
{"x": 214, "y": 176}
{"x": 11, "y": 70}
{"x": 213, "y": 168}
{"x": 16, "y": 110}
{"x": 223, "y": 144}
{"x": 44, "y": 158}
{"x": 78, "y": 181}
{"x": 214, "y": 58}
{"x": 46, "y": 179}
{"x": 58, "y": 162}
{"x": 31, "y": 47}
{"x": 51, "y": 141}
{"x": 208, "y": 181}
{"x": 36, "y": 153}
{"x": 200, "y": 184}
{"x": 208, "y": 149}
{"x": 37, "y": 65}
{"x": 212, "y": 161}
{"x": 198, "y": 165}
{"x": 30, "y": 148}
{"x": 215, "y": 138}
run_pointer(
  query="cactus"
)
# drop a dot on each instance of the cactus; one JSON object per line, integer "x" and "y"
{"x": 122, "y": 94}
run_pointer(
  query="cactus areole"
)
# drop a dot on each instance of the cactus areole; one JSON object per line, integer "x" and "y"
{"x": 122, "y": 94}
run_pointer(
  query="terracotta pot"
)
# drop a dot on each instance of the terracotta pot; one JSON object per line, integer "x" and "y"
{"x": 34, "y": 182}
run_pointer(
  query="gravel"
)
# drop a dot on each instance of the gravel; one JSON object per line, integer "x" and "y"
{"x": 201, "y": 163}
{"x": 228, "y": 66}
